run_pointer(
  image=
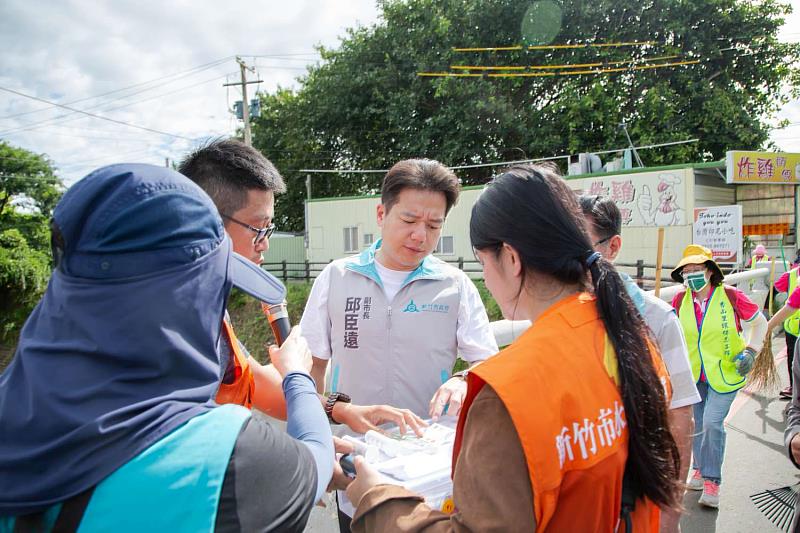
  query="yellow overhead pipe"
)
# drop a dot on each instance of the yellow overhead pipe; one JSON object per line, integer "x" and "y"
{"x": 547, "y": 67}
{"x": 547, "y": 74}
{"x": 489, "y": 49}
{"x": 553, "y": 46}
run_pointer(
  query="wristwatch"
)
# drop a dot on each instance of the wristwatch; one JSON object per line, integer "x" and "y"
{"x": 331, "y": 401}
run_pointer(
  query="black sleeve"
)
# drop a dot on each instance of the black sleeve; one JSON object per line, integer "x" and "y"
{"x": 269, "y": 484}
{"x": 793, "y": 409}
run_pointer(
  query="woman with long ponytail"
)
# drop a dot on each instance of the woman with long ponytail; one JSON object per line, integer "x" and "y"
{"x": 566, "y": 429}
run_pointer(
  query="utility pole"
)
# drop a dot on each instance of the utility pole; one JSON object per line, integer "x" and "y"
{"x": 245, "y": 102}
{"x": 248, "y": 140}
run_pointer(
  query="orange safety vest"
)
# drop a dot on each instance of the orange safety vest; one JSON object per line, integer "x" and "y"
{"x": 558, "y": 383}
{"x": 241, "y": 390}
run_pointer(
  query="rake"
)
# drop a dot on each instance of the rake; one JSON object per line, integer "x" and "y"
{"x": 778, "y": 505}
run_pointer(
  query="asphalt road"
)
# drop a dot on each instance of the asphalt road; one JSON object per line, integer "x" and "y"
{"x": 755, "y": 460}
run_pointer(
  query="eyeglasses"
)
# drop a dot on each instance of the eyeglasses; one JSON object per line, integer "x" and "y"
{"x": 601, "y": 241}
{"x": 261, "y": 233}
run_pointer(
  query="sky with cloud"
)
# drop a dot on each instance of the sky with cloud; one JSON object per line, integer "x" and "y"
{"x": 157, "y": 70}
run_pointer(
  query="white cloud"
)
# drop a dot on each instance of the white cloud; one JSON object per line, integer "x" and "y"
{"x": 788, "y": 139}
{"x": 67, "y": 51}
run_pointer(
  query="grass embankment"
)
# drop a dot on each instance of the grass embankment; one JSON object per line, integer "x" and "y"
{"x": 253, "y": 329}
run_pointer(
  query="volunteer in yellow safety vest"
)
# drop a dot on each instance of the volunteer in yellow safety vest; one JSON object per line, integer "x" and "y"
{"x": 724, "y": 331}
{"x": 791, "y": 324}
{"x": 759, "y": 256}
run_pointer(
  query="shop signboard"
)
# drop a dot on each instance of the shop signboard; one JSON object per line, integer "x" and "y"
{"x": 763, "y": 167}
{"x": 720, "y": 230}
{"x": 644, "y": 199}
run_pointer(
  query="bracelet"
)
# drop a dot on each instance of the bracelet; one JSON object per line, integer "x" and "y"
{"x": 461, "y": 374}
{"x": 331, "y": 401}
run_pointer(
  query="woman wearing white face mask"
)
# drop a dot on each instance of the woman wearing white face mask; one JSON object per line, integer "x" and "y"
{"x": 724, "y": 331}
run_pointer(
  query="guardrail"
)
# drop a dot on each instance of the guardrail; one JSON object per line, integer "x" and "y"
{"x": 506, "y": 331}
{"x": 308, "y": 270}
{"x": 643, "y": 273}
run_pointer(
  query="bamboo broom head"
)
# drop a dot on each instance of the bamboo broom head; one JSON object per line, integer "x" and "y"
{"x": 764, "y": 375}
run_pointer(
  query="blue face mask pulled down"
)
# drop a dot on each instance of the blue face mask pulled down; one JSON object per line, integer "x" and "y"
{"x": 696, "y": 281}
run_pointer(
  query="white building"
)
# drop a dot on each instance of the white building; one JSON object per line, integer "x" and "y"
{"x": 648, "y": 198}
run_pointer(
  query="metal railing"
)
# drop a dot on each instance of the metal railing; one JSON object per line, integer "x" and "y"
{"x": 642, "y": 272}
{"x": 506, "y": 331}
{"x": 308, "y": 270}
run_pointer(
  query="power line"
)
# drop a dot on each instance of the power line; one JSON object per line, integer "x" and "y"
{"x": 199, "y": 68}
{"x": 118, "y": 134}
{"x": 55, "y": 120}
{"x": 12, "y": 91}
{"x": 107, "y": 138}
{"x": 58, "y": 118}
{"x": 498, "y": 164}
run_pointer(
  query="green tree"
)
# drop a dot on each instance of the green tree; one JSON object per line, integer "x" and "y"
{"x": 29, "y": 190}
{"x": 27, "y": 180}
{"x": 24, "y": 272}
{"x": 364, "y": 106}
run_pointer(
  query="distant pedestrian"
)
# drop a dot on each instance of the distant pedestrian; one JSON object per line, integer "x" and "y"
{"x": 759, "y": 256}
{"x": 788, "y": 282}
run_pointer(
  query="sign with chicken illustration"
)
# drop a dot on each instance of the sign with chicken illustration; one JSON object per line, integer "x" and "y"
{"x": 647, "y": 199}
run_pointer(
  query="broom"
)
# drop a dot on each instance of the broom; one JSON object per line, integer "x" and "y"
{"x": 778, "y": 505}
{"x": 764, "y": 375}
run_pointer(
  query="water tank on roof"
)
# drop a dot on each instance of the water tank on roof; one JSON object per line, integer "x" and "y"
{"x": 590, "y": 163}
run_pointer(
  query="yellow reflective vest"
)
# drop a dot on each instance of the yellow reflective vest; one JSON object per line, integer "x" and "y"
{"x": 715, "y": 343}
{"x": 792, "y": 324}
{"x": 754, "y": 259}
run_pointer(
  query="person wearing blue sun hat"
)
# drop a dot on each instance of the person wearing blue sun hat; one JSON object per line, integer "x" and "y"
{"x": 107, "y": 411}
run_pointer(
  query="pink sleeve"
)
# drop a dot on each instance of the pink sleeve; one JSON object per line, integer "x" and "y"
{"x": 676, "y": 301}
{"x": 783, "y": 283}
{"x": 744, "y": 306}
{"x": 794, "y": 299}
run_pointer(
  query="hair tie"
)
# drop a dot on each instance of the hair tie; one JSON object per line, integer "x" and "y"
{"x": 592, "y": 259}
